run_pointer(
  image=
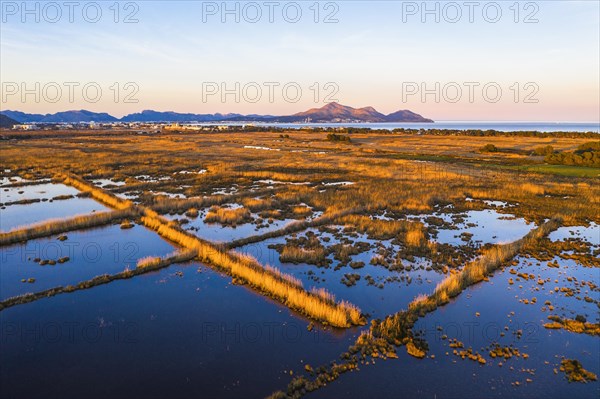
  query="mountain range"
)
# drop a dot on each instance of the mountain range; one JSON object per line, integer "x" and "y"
{"x": 330, "y": 113}
{"x": 6, "y": 122}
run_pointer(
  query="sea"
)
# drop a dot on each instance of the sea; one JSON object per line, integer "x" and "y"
{"x": 453, "y": 125}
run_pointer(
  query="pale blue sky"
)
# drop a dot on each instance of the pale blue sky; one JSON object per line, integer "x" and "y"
{"x": 370, "y": 54}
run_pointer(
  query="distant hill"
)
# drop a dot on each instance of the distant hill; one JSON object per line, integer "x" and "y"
{"x": 22, "y": 117}
{"x": 61, "y": 117}
{"x": 6, "y": 122}
{"x": 156, "y": 116}
{"x": 78, "y": 116}
{"x": 406, "y": 116}
{"x": 330, "y": 113}
{"x": 334, "y": 111}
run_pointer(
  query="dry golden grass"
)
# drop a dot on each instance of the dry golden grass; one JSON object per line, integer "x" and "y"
{"x": 259, "y": 204}
{"x": 192, "y": 213}
{"x": 165, "y": 204}
{"x": 227, "y": 216}
{"x": 399, "y": 173}
{"x": 301, "y": 211}
{"x": 410, "y": 232}
{"x": 414, "y": 351}
{"x": 57, "y": 226}
{"x": 96, "y": 192}
{"x": 271, "y": 281}
{"x": 397, "y": 328}
{"x": 276, "y": 176}
{"x": 293, "y": 227}
{"x": 474, "y": 272}
{"x": 575, "y": 372}
{"x": 376, "y": 228}
{"x": 576, "y": 326}
{"x": 385, "y": 176}
{"x": 294, "y": 254}
{"x": 532, "y": 188}
{"x": 415, "y": 236}
{"x": 154, "y": 262}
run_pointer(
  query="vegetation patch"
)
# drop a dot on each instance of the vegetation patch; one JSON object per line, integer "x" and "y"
{"x": 587, "y": 154}
{"x": 126, "y": 224}
{"x": 396, "y": 329}
{"x": 350, "y": 279}
{"x": 414, "y": 351}
{"x": 338, "y": 138}
{"x": 294, "y": 254}
{"x": 575, "y": 372}
{"x": 579, "y": 325}
{"x": 228, "y": 216}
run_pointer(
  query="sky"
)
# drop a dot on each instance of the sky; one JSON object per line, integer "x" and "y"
{"x": 494, "y": 61}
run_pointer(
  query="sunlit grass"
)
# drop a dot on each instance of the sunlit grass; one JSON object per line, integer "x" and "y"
{"x": 227, "y": 216}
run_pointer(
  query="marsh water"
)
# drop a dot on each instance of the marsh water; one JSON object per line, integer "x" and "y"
{"x": 188, "y": 329}
{"x": 481, "y": 317}
{"x": 47, "y": 208}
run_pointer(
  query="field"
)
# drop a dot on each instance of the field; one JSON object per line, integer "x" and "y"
{"x": 564, "y": 170}
{"x": 338, "y": 266}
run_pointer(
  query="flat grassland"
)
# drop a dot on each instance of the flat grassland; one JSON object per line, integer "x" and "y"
{"x": 394, "y": 172}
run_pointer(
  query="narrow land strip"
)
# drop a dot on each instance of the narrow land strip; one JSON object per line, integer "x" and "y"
{"x": 317, "y": 304}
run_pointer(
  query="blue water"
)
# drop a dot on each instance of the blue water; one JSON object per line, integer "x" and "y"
{"x": 187, "y": 331}
{"x": 476, "y": 318}
{"x": 37, "y": 191}
{"x": 105, "y": 250}
{"x": 454, "y": 125}
{"x": 375, "y": 301}
{"x": 159, "y": 335}
{"x": 22, "y": 215}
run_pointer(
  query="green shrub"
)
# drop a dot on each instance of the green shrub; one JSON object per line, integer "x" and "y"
{"x": 488, "y": 148}
{"x": 338, "y": 137}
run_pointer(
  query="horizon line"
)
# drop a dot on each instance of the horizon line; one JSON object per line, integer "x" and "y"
{"x": 226, "y": 113}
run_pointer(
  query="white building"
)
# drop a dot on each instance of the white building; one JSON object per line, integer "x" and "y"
{"x": 26, "y": 127}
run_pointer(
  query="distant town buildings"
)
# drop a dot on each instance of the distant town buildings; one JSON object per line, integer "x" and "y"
{"x": 141, "y": 127}
{"x": 26, "y": 127}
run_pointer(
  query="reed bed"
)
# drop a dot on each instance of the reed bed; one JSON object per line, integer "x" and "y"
{"x": 385, "y": 172}
{"x": 573, "y": 325}
{"x": 277, "y": 176}
{"x": 301, "y": 211}
{"x": 134, "y": 185}
{"x": 294, "y": 227}
{"x": 295, "y": 194}
{"x": 259, "y": 204}
{"x": 491, "y": 259}
{"x": 270, "y": 281}
{"x": 154, "y": 262}
{"x": 294, "y": 254}
{"x": 96, "y": 192}
{"x": 379, "y": 229}
{"x": 415, "y": 236}
{"x": 382, "y": 337}
{"x": 57, "y": 226}
{"x": 164, "y": 205}
{"x": 228, "y": 216}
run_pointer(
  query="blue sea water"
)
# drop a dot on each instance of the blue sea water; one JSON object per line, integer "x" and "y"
{"x": 453, "y": 125}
